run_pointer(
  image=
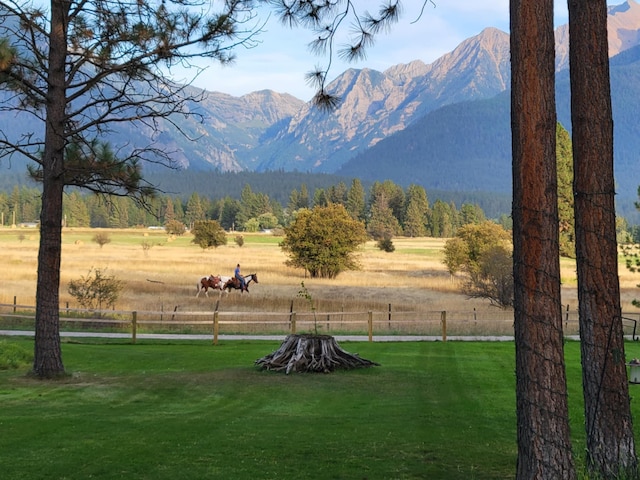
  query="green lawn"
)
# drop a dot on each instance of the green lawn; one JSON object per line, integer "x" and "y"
{"x": 432, "y": 410}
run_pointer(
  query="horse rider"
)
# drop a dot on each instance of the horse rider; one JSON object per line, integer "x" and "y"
{"x": 238, "y": 275}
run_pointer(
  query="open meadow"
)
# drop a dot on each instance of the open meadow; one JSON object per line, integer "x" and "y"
{"x": 159, "y": 273}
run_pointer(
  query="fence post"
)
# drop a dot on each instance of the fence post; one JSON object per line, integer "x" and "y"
{"x": 215, "y": 327}
{"x": 443, "y": 321}
{"x": 370, "y": 326}
{"x": 15, "y": 302}
{"x": 389, "y": 318}
{"x": 134, "y": 326}
{"x": 292, "y": 320}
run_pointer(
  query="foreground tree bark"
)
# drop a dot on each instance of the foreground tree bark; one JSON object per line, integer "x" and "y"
{"x": 544, "y": 446}
{"x": 47, "y": 352}
{"x": 608, "y": 423}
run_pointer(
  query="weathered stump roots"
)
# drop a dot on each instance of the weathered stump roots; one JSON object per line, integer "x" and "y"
{"x": 311, "y": 353}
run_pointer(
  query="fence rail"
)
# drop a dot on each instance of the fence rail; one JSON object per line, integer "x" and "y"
{"x": 215, "y": 322}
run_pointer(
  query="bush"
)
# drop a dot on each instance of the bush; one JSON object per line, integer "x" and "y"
{"x": 208, "y": 233}
{"x": 146, "y": 246}
{"x": 386, "y": 245}
{"x": 96, "y": 291}
{"x": 101, "y": 238}
{"x": 483, "y": 253}
{"x": 239, "y": 240}
{"x": 174, "y": 227}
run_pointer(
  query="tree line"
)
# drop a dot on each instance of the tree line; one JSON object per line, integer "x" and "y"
{"x": 386, "y": 208}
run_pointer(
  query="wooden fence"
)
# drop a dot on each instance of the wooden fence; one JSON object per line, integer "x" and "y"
{"x": 391, "y": 322}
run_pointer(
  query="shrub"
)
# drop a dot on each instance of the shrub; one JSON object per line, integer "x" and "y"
{"x": 239, "y": 240}
{"x": 174, "y": 227}
{"x": 146, "y": 246}
{"x": 386, "y": 245}
{"x": 101, "y": 238}
{"x": 95, "y": 291}
{"x": 208, "y": 233}
{"x": 483, "y": 253}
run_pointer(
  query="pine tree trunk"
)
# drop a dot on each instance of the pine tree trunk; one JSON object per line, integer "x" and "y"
{"x": 47, "y": 351}
{"x": 544, "y": 446}
{"x": 311, "y": 353}
{"x": 608, "y": 423}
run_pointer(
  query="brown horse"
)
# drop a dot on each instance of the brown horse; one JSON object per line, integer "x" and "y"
{"x": 205, "y": 283}
{"x": 235, "y": 283}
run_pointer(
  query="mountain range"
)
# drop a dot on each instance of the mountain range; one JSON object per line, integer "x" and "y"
{"x": 443, "y": 125}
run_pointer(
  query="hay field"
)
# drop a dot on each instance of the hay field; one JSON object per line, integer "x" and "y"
{"x": 165, "y": 274}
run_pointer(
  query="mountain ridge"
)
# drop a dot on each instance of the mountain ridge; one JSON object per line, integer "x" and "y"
{"x": 269, "y": 131}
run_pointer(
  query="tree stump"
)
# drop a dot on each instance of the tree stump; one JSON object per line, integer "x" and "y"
{"x": 311, "y": 353}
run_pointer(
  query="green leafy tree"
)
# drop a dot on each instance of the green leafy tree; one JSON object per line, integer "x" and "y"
{"x": 456, "y": 254}
{"x": 252, "y": 225}
{"x": 267, "y": 221}
{"x": 442, "y": 220}
{"x": 175, "y": 227}
{"x": 323, "y": 241}
{"x": 227, "y": 213}
{"x": 383, "y": 224}
{"x": 393, "y": 195}
{"x": 505, "y": 221}
{"x": 356, "y": 200}
{"x": 99, "y": 212}
{"x": 169, "y": 211}
{"x": 416, "y": 212}
{"x": 483, "y": 252}
{"x": 320, "y": 198}
{"x": 252, "y": 205}
{"x": 298, "y": 199}
{"x": 470, "y": 213}
{"x": 195, "y": 209}
{"x": 208, "y": 233}
{"x": 338, "y": 193}
{"x": 76, "y": 213}
{"x": 564, "y": 158}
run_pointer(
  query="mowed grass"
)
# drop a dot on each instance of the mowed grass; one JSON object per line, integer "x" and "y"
{"x": 195, "y": 411}
{"x": 431, "y": 410}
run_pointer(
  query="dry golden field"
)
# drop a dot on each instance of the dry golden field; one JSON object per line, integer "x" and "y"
{"x": 164, "y": 276}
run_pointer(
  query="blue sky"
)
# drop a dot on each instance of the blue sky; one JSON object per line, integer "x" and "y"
{"x": 282, "y": 59}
